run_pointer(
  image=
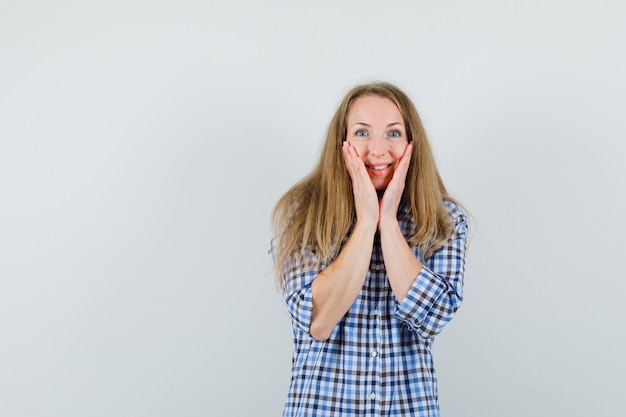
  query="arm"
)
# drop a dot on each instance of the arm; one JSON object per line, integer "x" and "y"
{"x": 401, "y": 263}
{"x": 434, "y": 295}
{"x": 437, "y": 291}
{"x": 336, "y": 287}
{"x": 332, "y": 298}
{"x": 317, "y": 300}
{"x": 428, "y": 294}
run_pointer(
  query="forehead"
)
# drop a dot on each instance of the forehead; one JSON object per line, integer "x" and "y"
{"x": 371, "y": 108}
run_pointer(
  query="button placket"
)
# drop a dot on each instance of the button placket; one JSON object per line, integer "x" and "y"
{"x": 377, "y": 271}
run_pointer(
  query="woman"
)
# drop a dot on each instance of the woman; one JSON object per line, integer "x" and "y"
{"x": 369, "y": 251}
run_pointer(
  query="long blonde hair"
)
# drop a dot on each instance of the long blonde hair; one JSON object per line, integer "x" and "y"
{"x": 316, "y": 214}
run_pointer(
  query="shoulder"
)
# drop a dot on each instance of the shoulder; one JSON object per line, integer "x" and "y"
{"x": 457, "y": 215}
{"x": 454, "y": 209}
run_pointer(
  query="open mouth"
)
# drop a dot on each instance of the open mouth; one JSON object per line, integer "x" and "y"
{"x": 379, "y": 167}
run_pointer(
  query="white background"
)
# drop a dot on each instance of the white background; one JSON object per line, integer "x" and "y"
{"x": 143, "y": 145}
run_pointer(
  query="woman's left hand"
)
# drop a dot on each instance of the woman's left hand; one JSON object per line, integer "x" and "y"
{"x": 390, "y": 201}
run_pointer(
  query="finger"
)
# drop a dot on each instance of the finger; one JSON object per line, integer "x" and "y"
{"x": 402, "y": 168}
{"x": 347, "y": 157}
{"x": 354, "y": 162}
{"x": 405, "y": 160}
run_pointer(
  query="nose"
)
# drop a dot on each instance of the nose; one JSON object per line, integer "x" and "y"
{"x": 377, "y": 145}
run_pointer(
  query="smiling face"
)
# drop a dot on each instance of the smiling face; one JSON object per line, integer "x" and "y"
{"x": 376, "y": 129}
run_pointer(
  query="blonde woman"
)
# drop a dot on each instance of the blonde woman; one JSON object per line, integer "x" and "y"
{"x": 369, "y": 253}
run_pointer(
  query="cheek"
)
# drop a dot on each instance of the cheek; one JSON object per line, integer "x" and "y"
{"x": 361, "y": 148}
{"x": 397, "y": 150}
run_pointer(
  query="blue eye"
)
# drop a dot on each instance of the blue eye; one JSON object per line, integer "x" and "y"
{"x": 361, "y": 133}
{"x": 394, "y": 134}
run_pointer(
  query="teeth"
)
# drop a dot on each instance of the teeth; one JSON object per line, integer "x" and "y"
{"x": 379, "y": 167}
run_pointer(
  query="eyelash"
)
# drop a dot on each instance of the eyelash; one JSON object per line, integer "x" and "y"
{"x": 392, "y": 134}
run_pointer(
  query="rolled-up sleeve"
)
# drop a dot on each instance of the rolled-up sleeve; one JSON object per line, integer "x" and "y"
{"x": 299, "y": 298}
{"x": 437, "y": 292}
{"x": 297, "y": 291}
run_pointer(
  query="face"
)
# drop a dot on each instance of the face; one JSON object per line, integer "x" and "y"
{"x": 376, "y": 129}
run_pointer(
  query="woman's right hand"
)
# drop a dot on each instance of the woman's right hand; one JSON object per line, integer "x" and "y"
{"x": 335, "y": 288}
{"x": 365, "y": 196}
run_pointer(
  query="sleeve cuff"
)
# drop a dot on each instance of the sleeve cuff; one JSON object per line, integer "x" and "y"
{"x": 300, "y": 305}
{"x": 424, "y": 294}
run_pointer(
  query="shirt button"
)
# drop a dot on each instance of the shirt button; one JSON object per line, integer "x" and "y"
{"x": 375, "y": 312}
{"x": 377, "y": 267}
{"x": 374, "y": 353}
{"x": 372, "y": 396}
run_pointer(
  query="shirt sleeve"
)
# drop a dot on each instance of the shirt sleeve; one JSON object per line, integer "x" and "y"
{"x": 437, "y": 292}
{"x": 297, "y": 292}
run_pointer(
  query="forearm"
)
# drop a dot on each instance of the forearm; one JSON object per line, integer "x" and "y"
{"x": 436, "y": 291}
{"x": 400, "y": 262}
{"x": 336, "y": 287}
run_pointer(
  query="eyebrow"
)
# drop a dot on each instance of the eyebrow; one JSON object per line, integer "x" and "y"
{"x": 368, "y": 125}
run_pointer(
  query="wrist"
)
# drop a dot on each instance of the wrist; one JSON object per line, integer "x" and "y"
{"x": 366, "y": 225}
{"x": 388, "y": 224}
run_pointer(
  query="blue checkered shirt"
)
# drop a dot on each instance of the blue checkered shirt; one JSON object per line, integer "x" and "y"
{"x": 377, "y": 360}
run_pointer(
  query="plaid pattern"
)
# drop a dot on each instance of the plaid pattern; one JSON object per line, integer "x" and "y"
{"x": 377, "y": 361}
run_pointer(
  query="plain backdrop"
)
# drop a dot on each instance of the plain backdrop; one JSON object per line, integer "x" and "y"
{"x": 143, "y": 145}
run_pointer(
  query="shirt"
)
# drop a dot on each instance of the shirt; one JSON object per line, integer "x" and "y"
{"x": 377, "y": 360}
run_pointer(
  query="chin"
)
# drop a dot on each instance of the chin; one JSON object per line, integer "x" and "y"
{"x": 381, "y": 187}
{"x": 380, "y": 184}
